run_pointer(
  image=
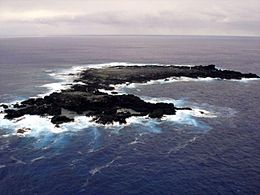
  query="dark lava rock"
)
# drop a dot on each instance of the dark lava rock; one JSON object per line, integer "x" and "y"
{"x": 4, "y": 106}
{"x": 103, "y": 78}
{"x": 162, "y": 109}
{"x": 156, "y": 114}
{"x": 22, "y": 130}
{"x": 104, "y": 108}
{"x": 17, "y": 105}
{"x": 184, "y": 108}
{"x": 106, "y": 118}
{"x": 33, "y": 110}
{"x": 61, "y": 119}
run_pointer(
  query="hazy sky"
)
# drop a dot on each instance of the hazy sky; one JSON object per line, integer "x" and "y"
{"x": 155, "y": 17}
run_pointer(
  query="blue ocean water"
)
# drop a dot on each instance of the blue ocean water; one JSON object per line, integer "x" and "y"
{"x": 191, "y": 153}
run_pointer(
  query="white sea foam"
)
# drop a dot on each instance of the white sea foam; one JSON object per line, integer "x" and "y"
{"x": 195, "y": 112}
{"x": 48, "y": 71}
{"x": 65, "y": 79}
{"x": 42, "y": 125}
{"x": 98, "y": 169}
{"x": 247, "y": 80}
{"x": 187, "y": 117}
{"x": 120, "y": 87}
{"x": 79, "y": 123}
{"x": 111, "y": 64}
{"x": 17, "y": 161}
{"x": 182, "y": 145}
{"x": 136, "y": 141}
{"x": 182, "y": 117}
{"x": 38, "y": 159}
{"x": 163, "y": 100}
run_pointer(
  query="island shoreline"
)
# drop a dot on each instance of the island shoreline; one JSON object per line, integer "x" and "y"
{"x": 88, "y": 96}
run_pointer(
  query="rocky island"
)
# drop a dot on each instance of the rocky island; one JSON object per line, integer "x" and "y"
{"x": 87, "y": 99}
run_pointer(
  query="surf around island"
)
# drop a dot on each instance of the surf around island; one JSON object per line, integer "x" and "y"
{"x": 94, "y": 94}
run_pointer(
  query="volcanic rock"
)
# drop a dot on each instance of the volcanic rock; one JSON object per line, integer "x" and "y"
{"x": 86, "y": 99}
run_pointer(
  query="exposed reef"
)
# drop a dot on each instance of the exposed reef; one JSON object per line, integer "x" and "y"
{"x": 87, "y": 99}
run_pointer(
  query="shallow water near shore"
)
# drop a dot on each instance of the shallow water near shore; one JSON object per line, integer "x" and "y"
{"x": 213, "y": 149}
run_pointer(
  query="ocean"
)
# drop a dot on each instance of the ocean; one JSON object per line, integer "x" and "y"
{"x": 217, "y": 152}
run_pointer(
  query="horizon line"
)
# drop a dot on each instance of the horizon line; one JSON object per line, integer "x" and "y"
{"x": 125, "y": 35}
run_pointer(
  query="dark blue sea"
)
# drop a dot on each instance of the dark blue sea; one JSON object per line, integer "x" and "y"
{"x": 215, "y": 149}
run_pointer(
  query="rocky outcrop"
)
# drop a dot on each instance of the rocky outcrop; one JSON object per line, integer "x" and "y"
{"x": 4, "y": 106}
{"x": 23, "y": 130}
{"x": 103, "y": 78}
{"x": 61, "y": 119}
{"x": 87, "y": 100}
{"x": 103, "y": 107}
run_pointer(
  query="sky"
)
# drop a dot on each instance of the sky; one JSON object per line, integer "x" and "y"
{"x": 129, "y": 17}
